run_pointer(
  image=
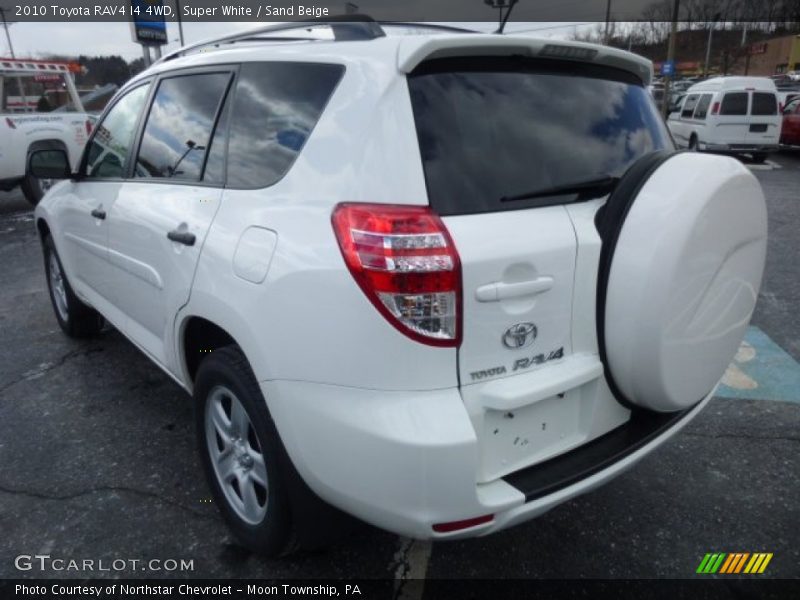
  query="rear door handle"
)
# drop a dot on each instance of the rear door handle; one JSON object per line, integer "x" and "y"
{"x": 182, "y": 237}
{"x": 494, "y": 292}
{"x": 98, "y": 213}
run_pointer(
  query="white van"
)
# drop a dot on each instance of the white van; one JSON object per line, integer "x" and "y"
{"x": 735, "y": 115}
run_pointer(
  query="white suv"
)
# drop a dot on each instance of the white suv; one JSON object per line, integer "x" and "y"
{"x": 443, "y": 282}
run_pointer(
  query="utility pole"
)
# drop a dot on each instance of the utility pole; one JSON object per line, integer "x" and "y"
{"x": 8, "y": 35}
{"x": 500, "y": 5}
{"x": 608, "y": 19}
{"x": 708, "y": 45}
{"x": 670, "y": 56}
{"x": 708, "y": 49}
{"x": 746, "y": 50}
{"x": 180, "y": 21}
{"x": 20, "y": 86}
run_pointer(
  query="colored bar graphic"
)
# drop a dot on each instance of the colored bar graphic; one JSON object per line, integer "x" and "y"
{"x": 703, "y": 564}
{"x": 730, "y": 564}
{"x": 755, "y": 561}
{"x": 740, "y": 564}
{"x": 717, "y": 563}
{"x": 767, "y": 558}
{"x": 727, "y": 564}
{"x": 734, "y": 563}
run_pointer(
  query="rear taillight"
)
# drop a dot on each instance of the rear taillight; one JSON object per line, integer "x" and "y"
{"x": 88, "y": 126}
{"x": 715, "y": 108}
{"x": 406, "y": 263}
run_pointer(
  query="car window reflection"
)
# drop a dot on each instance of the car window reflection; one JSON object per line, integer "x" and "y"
{"x": 111, "y": 142}
{"x": 179, "y": 126}
{"x": 276, "y": 106}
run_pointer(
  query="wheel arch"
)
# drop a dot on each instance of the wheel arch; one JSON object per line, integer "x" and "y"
{"x": 199, "y": 337}
{"x": 42, "y": 228}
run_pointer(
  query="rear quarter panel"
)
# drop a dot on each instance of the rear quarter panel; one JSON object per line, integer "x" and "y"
{"x": 309, "y": 320}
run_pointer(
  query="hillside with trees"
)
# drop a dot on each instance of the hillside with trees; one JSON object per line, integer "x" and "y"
{"x": 737, "y": 25}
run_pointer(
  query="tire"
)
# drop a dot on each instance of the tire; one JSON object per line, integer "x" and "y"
{"x": 678, "y": 280}
{"x": 242, "y": 465}
{"x": 693, "y": 144}
{"x": 75, "y": 318}
{"x": 34, "y": 189}
{"x": 759, "y": 157}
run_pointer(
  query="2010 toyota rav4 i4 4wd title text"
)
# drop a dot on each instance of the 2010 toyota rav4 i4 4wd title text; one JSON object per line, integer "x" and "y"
{"x": 411, "y": 275}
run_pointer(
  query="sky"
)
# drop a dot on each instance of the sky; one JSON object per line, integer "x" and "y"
{"x": 34, "y": 40}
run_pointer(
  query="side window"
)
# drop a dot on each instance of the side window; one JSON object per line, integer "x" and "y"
{"x": 179, "y": 126}
{"x": 702, "y": 106}
{"x": 764, "y": 104}
{"x": 275, "y": 108}
{"x": 734, "y": 104}
{"x": 688, "y": 106}
{"x": 111, "y": 143}
{"x": 794, "y": 107}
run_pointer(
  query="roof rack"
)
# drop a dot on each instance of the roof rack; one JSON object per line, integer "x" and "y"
{"x": 345, "y": 28}
{"x": 433, "y": 26}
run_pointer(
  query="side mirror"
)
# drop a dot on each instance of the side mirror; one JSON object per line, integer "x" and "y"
{"x": 49, "y": 164}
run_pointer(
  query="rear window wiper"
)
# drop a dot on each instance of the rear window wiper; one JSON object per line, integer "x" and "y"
{"x": 598, "y": 185}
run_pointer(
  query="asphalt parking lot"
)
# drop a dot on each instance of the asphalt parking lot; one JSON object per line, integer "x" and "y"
{"x": 97, "y": 456}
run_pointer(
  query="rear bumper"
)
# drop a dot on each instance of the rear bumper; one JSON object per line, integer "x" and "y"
{"x": 790, "y": 141}
{"x": 738, "y": 148}
{"x": 405, "y": 461}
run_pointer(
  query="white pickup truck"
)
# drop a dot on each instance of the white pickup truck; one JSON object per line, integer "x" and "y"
{"x": 40, "y": 110}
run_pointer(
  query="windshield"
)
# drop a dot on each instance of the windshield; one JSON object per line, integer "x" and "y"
{"x": 495, "y": 128}
{"x": 43, "y": 92}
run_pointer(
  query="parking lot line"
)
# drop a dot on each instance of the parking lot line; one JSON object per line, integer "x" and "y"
{"x": 410, "y": 567}
{"x": 761, "y": 370}
{"x": 768, "y": 165}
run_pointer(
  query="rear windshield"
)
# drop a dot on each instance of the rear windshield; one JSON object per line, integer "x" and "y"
{"x": 495, "y": 128}
{"x": 734, "y": 104}
{"x": 764, "y": 104}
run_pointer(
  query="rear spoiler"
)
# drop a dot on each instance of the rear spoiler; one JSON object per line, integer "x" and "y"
{"x": 413, "y": 50}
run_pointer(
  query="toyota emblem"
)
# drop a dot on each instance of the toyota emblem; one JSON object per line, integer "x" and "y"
{"x": 520, "y": 335}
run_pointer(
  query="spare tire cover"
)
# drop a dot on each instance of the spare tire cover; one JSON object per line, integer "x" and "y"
{"x": 682, "y": 279}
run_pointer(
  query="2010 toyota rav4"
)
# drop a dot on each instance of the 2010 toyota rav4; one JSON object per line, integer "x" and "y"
{"x": 442, "y": 282}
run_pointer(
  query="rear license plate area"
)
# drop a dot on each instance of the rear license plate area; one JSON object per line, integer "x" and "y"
{"x": 515, "y": 439}
{"x": 758, "y": 128}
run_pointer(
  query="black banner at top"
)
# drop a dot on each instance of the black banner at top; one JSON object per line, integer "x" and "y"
{"x": 256, "y": 11}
